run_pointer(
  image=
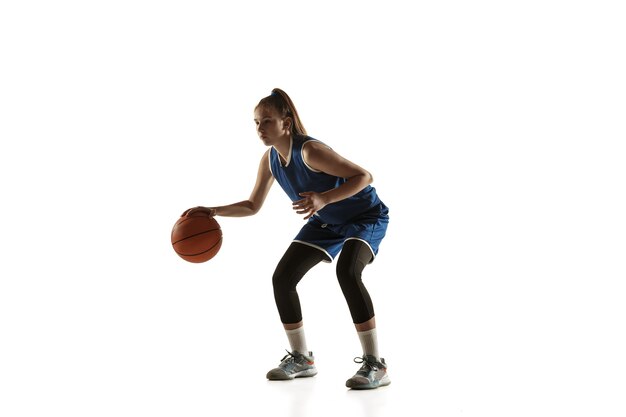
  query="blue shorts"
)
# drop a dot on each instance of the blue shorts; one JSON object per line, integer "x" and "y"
{"x": 370, "y": 227}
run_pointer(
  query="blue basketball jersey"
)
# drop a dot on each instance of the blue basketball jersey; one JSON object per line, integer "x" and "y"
{"x": 295, "y": 176}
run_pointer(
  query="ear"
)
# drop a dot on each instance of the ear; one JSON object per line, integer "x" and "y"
{"x": 287, "y": 123}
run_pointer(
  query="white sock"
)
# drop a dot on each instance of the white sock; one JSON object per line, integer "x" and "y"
{"x": 297, "y": 340}
{"x": 369, "y": 342}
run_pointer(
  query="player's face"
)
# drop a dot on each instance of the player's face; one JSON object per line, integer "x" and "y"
{"x": 270, "y": 127}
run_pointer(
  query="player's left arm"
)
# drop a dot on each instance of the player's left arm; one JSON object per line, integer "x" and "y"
{"x": 322, "y": 158}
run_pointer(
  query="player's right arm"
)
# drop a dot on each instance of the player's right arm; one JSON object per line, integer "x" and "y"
{"x": 253, "y": 204}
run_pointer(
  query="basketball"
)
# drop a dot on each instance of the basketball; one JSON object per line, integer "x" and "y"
{"x": 196, "y": 238}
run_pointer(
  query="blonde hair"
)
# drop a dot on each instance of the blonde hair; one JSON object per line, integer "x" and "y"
{"x": 280, "y": 101}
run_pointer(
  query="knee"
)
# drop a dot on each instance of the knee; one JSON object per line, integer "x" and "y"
{"x": 347, "y": 273}
{"x": 282, "y": 281}
{"x": 278, "y": 280}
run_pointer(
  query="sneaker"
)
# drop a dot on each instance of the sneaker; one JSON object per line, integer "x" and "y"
{"x": 373, "y": 374}
{"x": 293, "y": 365}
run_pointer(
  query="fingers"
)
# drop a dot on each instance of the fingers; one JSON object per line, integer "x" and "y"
{"x": 210, "y": 211}
{"x": 305, "y": 208}
{"x": 301, "y": 203}
{"x": 305, "y": 205}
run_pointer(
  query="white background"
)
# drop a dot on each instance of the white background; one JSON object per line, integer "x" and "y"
{"x": 494, "y": 131}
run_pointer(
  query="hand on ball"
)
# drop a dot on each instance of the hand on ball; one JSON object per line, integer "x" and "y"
{"x": 200, "y": 209}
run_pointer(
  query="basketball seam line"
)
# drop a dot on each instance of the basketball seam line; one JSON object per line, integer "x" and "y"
{"x": 194, "y": 235}
{"x": 200, "y": 253}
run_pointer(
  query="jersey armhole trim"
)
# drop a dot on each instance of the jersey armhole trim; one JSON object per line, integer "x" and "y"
{"x": 302, "y": 155}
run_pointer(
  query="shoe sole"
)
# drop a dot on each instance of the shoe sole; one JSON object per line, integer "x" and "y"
{"x": 280, "y": 376}
{"x": 382, "y": 383}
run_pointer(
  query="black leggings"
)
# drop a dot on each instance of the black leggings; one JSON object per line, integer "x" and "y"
{"x": 300, "y": 258}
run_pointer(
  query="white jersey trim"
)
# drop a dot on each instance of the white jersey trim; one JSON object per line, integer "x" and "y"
{"x": 330, "y": 258}
{"x": 302, "y": 154}
{"x": 367, "y": 243}
{"x": 288, "y": 155}
{"x": 288, "y": 161}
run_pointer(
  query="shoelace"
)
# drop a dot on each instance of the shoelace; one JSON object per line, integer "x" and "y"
{"x": 292, "y": 357}
{"x": 367, "y": 363}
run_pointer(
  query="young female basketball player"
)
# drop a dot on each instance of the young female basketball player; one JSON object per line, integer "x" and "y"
{"x": 344, "y": 215}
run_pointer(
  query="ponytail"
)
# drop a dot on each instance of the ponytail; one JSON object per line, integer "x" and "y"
{"x": 280, "y": 101}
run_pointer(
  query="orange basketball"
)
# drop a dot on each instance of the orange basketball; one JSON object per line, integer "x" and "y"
{"x": 197, "y": 238}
